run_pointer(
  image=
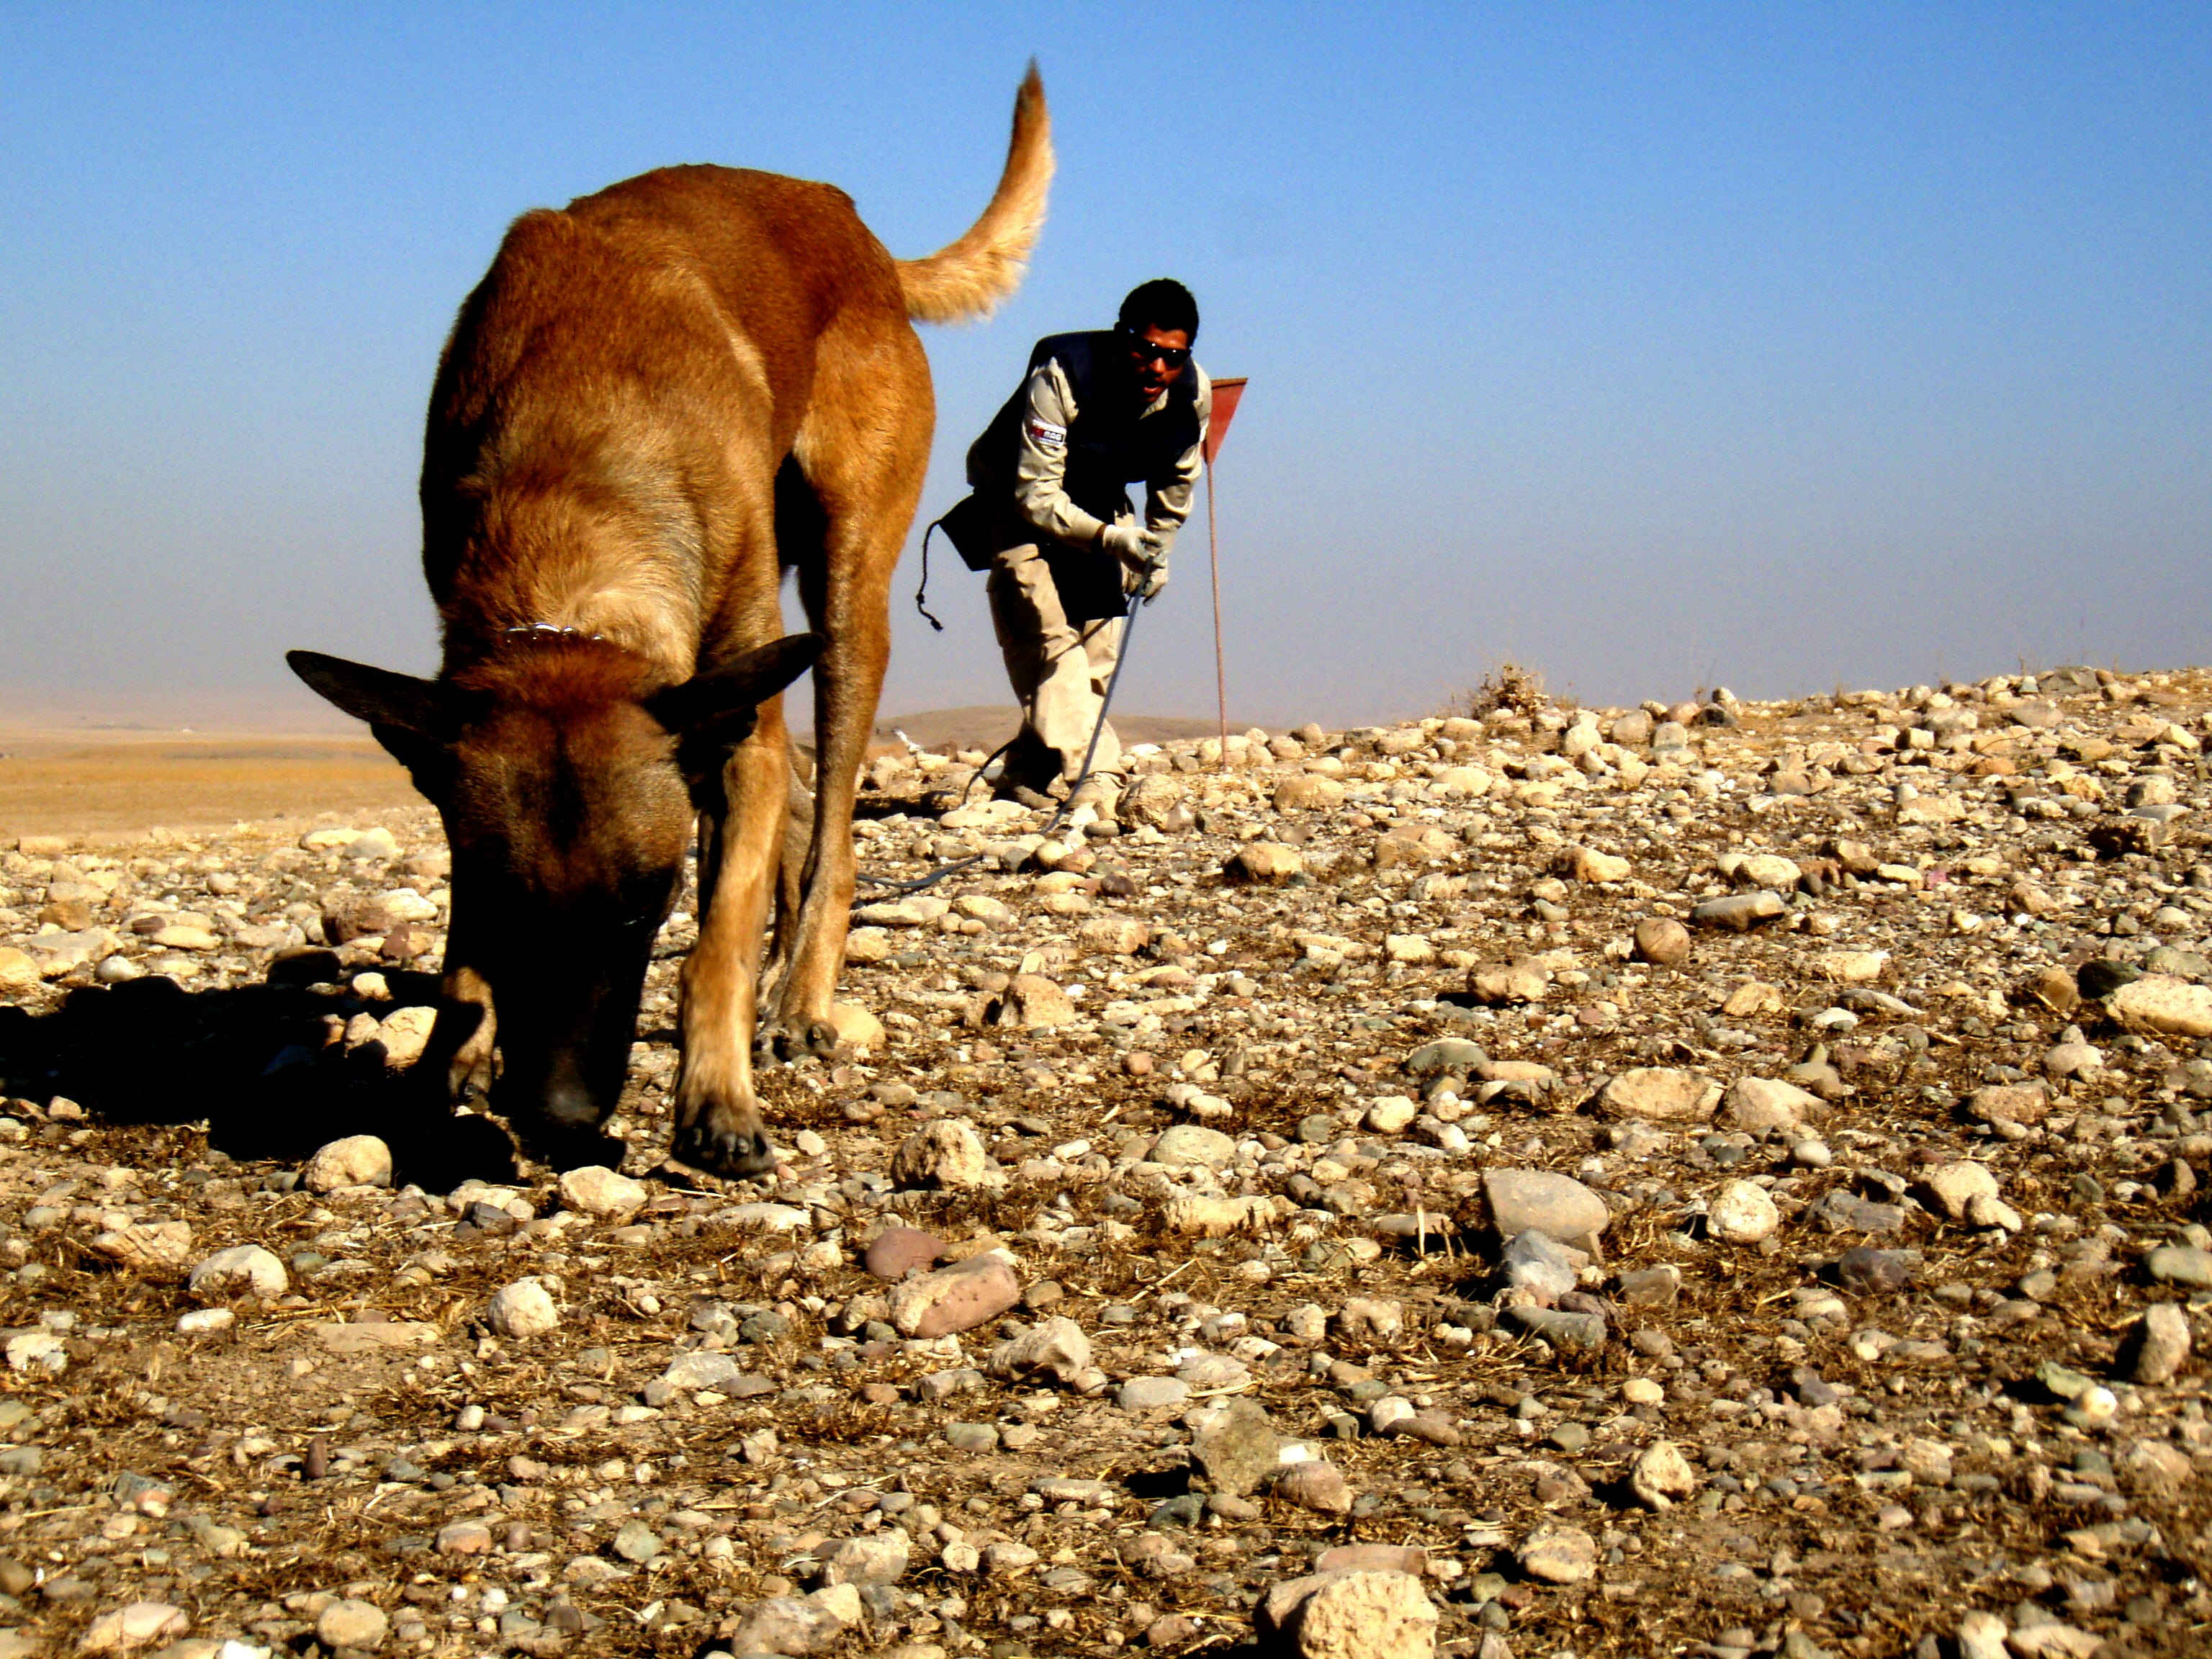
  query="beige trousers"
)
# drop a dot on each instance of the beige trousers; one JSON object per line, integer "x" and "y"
{"x": 1058, "y": 669}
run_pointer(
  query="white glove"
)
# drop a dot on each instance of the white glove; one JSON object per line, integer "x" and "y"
{"x": 1147, "y": 584}
{"x": 1128, "y": 541}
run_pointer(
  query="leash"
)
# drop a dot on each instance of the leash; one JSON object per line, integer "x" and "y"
{"x": 920, "y": 592}
{"x": 1120, "y": 661}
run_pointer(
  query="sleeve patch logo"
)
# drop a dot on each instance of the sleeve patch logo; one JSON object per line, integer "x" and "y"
{"x": 1048, "y": 437}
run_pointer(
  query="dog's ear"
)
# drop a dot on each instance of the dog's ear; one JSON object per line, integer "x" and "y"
{"x": 719, "y": 706}
{"x": 378, "y": 696}
{"x": 417, "y": 720}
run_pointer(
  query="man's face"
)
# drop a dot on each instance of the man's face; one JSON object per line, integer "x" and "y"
{"x": 1158, "y": 358}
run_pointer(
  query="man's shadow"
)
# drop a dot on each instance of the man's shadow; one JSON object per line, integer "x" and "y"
{"x": 258, "y": 1063}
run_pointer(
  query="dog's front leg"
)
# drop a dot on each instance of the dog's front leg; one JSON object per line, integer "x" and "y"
{"x": 718, "y": 1118}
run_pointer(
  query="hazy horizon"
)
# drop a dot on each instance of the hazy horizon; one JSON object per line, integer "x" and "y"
{"x": 1651, "y": 347}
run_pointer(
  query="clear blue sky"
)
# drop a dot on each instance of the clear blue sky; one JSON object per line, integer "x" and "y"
{"x": 1651, "y": 345}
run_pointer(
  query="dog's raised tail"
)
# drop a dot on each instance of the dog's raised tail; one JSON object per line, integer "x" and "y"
{"x": 968, "y": 278}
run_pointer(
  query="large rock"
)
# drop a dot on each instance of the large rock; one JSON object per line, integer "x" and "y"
{"x": 164, "y": 1247}
{"x": 857, "y": 1029}
{"x": 898, "y": 1251}
{"x": 1662, "y": 1477}
{"x": 954, "y": 1298}
{"x": 1760, "y": 1105}
{"x": 523, "y": 1310}
{"x": 1524, "y": 1200}
{"x": 1558, "y": 1555}
{"x": 1355, "y": 1614}
{"x": 1056, "y": 1348}
{"x": 1739, "y": 913}
{"x": 354, "y": 1161}
{"x": 2158, "y": 1343}
{"x": 56, "y": 954}
{"x": 19, "y": 973}
{"x": 1308, "y": 792}
{"x": 140, "y": 1624}
{"x": 1742, "y": 1212}
{"x": 1317, "y": 1485}
{"x": 1660, "y": 1094}
{"x": 351, "y": 1623}
{"x": 1663, "y": 941}
{"x": 1236, "y": 1446}
{"x": 1192, "y": 1146}
{"x": 601, "y": 1193}
{"x": 1034, "y": 1003}
{"x": 1263, "y": 864}
{"x": 793, "y": 1625}
{"x": 1499, "y": 984}
{"x": 241, "y": 1271}
{"x": 878, "y": 1557}
{"x": 2167, "y": 1006}
{"x": 945, "y": 1155}
{"x": 1955, "y": 1186}
{"x": 1205, "y": 1216}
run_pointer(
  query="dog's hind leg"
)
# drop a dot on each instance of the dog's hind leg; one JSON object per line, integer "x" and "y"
{"x": 798, "y": 830}
{"x": 863, "y": 450}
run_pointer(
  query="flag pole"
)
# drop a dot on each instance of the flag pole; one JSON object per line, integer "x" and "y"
{"x": 1228, "y": 392}
{"x": 1220, "y": 660}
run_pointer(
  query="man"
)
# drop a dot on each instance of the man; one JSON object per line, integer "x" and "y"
{"x": 1098, "y": 412}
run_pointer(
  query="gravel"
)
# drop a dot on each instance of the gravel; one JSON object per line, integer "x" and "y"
{"x": 1402, "y": 1138}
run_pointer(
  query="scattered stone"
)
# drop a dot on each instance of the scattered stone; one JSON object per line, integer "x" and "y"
{"x": 1662, "y": 1477}
{"x": 898, "y": 1251}
{"x": 1349, "y": 1615}
{"x": 1056, "y": 1348}
{"x": 139, "y": 1624}
{"x": 1264, "y": 863}
{"x": 954, "y": 1298}
{"x": 1739, "y": 913}
{"x": 597, "y": 1191}
{"x": 241, "y": 1271}
{"x": 1558, "y": 1554}
{"x": 523, "y": 1310}
{"x": 348, "y": 1623}
{"x": 2166, "y": 1006}
{"x": 946, "y": 1156}
{"x": 1955, "y": 1186}
{"x": 1760, "y": 1105}
{"x": 355, "y": 1161}
{"x": 1316, "y": 1486}
{"x": 2158, "y": 1344}
{"x": 1659, "y": 1094}
{"x": 1192, "y": 1146}
{"x": 1500, "y": 984}
{"x": 1236, "y": 1445}
{"x": 2180, "y": 1264}
{"x": 1742, "y": 1212}
{"x": 1537, "y": 1201}
{"x": 1663, "y": 941}
{"x": 878, "y": 1557}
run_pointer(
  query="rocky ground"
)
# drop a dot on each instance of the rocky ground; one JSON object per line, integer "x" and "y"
{"x": 1722, "y": 1180}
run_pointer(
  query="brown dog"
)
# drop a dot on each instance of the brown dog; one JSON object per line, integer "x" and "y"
{"x": 658, "y": 400}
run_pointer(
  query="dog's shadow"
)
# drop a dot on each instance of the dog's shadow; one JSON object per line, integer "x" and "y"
{"x": 257, "y": 1063}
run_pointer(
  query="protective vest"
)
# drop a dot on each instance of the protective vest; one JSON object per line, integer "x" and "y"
{"x": 1111, "y": 443}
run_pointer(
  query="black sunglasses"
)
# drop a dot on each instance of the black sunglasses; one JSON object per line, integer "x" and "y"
{"x": 1145, "y": 351}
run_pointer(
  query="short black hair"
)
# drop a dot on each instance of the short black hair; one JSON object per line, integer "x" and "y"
{"x": 1163, "y": 303}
